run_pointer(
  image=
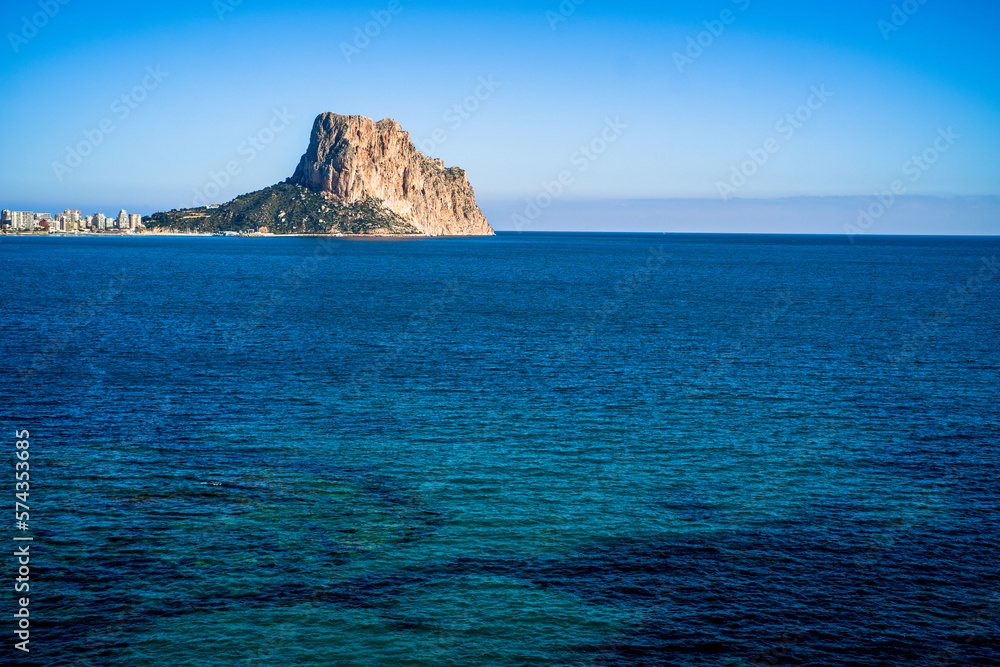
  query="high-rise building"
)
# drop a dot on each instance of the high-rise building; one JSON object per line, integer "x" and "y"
{"x": 122, "y": 219}
{"x": 134, "y": 221}
{"x": 100, "y": 221}
{"x": 21, "y": 220}
{"x": 67, "y": 221}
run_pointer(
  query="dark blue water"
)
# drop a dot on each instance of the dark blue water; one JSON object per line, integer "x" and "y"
{"x": 524, "y": 450}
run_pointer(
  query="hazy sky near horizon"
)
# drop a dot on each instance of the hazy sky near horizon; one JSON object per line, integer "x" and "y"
{"x": 163, "y": 96}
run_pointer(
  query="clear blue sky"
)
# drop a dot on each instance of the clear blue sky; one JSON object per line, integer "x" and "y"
{"x": 683, "y": 133}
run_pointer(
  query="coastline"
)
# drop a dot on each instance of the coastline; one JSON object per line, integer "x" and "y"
{"x": 243, "y": 236}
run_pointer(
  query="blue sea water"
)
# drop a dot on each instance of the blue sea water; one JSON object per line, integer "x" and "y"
{"x": 534, "y": 449}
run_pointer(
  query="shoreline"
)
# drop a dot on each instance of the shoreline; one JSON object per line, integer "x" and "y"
{"x": 233, "y": 236}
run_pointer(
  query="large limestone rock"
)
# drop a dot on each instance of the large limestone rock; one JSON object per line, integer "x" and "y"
{"x": 353, "y": 158}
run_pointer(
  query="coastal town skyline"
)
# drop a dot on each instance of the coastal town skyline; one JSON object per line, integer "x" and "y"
{"x": 69, "y": 221}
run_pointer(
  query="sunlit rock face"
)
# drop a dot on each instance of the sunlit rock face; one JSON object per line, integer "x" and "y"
{"x": 353, "y": 158}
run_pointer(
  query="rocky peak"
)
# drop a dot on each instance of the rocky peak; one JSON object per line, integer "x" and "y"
{"x": 355, "y": 159}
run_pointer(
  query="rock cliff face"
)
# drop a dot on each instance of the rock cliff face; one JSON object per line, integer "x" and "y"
{"x": 353, "y": 159}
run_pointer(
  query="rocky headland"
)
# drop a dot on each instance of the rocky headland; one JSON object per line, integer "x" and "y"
{"x": 356, "y": 177}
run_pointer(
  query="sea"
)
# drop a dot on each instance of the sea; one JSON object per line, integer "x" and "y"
{"x": 529, "y": 449}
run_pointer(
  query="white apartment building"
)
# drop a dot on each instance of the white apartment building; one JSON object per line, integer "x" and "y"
{"x": 22, "y": 219}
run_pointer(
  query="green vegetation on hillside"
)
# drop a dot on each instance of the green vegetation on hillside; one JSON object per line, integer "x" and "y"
{"x": 286, "y": 208}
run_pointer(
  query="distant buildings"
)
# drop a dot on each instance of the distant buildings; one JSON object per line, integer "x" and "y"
{"x": 20, "y": 220}
{"x": 69, "y": 220}
{"x": 71, "y": 217}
